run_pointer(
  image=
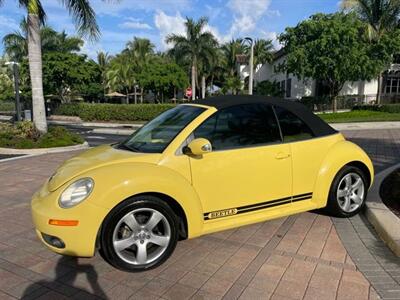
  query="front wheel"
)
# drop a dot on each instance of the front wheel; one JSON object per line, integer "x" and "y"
{"x": 348, "y": 192}
{"x": 139, "y": 234}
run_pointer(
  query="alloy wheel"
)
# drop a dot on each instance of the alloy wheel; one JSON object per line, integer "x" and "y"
{"x": 141, "y": 236}
{"x": 350, "y": 192}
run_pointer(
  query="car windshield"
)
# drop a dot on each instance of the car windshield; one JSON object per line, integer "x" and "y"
{"x": 156, "y": 135}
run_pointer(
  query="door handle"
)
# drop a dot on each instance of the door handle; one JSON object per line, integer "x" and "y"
{"x": 282, "y": 155}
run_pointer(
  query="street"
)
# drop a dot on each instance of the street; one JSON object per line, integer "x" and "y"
{"x": 95, "y": 139}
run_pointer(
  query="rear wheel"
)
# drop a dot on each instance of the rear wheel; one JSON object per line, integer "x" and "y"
{"x": 348, "y": 192}
{"x": 139, "y": 234}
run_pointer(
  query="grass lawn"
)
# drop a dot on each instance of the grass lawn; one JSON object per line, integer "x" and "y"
{"x": 359, "y": 116}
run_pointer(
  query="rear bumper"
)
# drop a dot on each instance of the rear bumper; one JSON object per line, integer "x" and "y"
{"x": 79, "y": 240}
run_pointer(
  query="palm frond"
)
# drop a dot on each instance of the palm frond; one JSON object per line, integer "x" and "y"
{"x": 84, "y": 17}
{"x": 34, "y": 7}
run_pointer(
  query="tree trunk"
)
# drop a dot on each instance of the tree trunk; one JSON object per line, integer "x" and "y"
{"x": 127, "y": 96}
{"x": 334, "y": 104}
{"x": 135, "y": 96}
{"x": 203, "y": 87}
{"x": 193, "y": 82}
{"x": 379, "y": 91}
{"x": 35, "y": 71}
{"x": 141, "y": 95}
{"x": 211, "y": 84}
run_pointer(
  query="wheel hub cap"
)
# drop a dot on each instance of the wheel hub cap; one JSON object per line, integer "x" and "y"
{"x": 141, "y": 236}
{"x": 350, "y": 192}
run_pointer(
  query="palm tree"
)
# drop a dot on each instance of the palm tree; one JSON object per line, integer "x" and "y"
{"x": 121, "y": 75}
{"x": 381, "y": 16}
{"x": 230, "y": 52}
{"x": 103, "y": 60}
{"x": 262, "y": 51}
{"x": 195, "y": 45}
{"x": 140, "y": 50}
{"x": 16, "y": 43}
{"x": 85, "y": 19}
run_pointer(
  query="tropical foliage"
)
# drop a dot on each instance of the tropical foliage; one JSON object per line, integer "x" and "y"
{"x": 196, "y": 48}
{"x": 381, "y": 17}
{"x": 16, "y": 43}
{"x": 268, "y": 88}
{"x": 6, "y": 84}
{"x": 24, "y": 135}
{"x": 113, "y": 112}
{"x": 85, "y": 20}
{"x": 335, "y": 49}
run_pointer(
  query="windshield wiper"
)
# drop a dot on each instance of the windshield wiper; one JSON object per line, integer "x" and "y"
{"x": 129, "y": 148}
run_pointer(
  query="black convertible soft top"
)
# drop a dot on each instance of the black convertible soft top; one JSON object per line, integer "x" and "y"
{"x": 318, "y": 126}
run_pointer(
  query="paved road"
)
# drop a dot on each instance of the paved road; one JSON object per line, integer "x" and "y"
{"x": 95, "y": 139}
{"x": 305, "y": 256}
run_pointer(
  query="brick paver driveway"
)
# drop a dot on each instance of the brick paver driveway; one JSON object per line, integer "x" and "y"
{"x": 297, "y": 257}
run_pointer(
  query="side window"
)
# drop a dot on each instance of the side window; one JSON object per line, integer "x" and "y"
{"x": 240, "y": 126}
{"x": 293, "y": 128}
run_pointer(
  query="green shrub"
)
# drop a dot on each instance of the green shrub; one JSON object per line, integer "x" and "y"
{"x": 112, "y": 112}
{"x": 7, "y": 106}
{"x": 389, "y": 108}
{"x": 24, "y": 135}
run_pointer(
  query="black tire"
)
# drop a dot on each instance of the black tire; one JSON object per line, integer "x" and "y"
{"x": 107, "y": 250}
{"x": 333, "y": 208}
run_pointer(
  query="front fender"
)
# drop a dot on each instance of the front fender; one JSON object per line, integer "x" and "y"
{"x": 115, "y": 183}
{"x": 341, "y": 154}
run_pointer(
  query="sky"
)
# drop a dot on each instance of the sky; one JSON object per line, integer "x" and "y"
{"x": 120, "y": 21}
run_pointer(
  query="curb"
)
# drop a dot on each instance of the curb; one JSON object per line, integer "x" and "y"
{"x": 96, "y": 124}
{"x": 365, "y": 125}
{"x": 113, "y": 131}
{"x": 385, "y": 222}
{"x": 38, "y": 151}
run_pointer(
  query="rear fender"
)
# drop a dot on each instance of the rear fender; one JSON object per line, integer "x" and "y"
{"x": 341, "y": 154}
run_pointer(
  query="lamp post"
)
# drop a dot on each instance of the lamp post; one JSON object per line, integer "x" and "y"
{"x": 16, "y": 87}
{"x": 251, "y": 62}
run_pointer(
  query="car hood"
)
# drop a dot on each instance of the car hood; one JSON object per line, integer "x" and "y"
{"x": 95, "y": 158}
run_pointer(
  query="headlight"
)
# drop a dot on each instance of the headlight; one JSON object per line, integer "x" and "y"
{"x": 76, "y": 192}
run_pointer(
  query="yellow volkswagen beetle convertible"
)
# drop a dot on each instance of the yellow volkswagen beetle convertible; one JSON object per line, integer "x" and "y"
{"x": 199, "y": 168}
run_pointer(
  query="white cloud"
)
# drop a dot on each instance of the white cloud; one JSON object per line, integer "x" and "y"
{"x": 168, "y": 25}
{"x": 133, "y": 23}
{"x": 246, "y": 14}
{"x": 271, "y": 36}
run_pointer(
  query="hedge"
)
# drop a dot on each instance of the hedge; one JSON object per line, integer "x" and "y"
{"x": 7, "y": 106}
{"x": 112, "y": 112}
{"x": 390, "y": 108}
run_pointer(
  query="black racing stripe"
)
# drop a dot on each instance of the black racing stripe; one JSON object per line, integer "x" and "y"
{"x": 302, "y": 195}
{"x": 263, "y": 203}
{"x": 266, "y": 204}
{"x": 263, "y": 206}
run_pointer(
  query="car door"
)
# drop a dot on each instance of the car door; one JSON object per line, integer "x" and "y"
{"x": 308, "y": 151}
{"x": 249, "y": 168}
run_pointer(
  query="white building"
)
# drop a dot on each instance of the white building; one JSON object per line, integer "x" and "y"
{"x": 363, "y": 91}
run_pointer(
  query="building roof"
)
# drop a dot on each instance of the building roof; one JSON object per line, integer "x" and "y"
{"x": 319, "y": 127}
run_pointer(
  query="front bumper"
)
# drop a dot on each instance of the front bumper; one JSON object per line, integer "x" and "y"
{"x": 79, "y": 240}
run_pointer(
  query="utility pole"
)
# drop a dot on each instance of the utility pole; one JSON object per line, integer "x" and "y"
{"x": 16, "y": 87}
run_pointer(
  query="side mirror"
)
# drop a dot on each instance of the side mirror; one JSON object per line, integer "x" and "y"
{"x": 198, "y": 146}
